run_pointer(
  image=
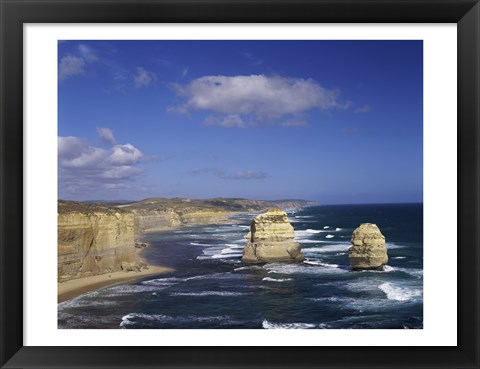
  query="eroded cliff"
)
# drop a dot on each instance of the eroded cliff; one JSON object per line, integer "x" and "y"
{"x": 94, "y": 240}
{"x": 100, "y": 238}
{"x": 271, "y": 239}
{"x": 368, "y": 250}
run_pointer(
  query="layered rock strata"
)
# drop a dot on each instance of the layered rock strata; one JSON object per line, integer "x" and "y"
{"x": 271, "y": 239}
{"x": 96, "y": 241}
{"x": 156, "y": 220}
{"x": 99, "y": 238}
{"x": 368, "y": 250}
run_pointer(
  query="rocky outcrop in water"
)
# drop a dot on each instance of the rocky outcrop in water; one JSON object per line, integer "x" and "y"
{"x": 368, "y": 250}
{"x": 271, "y": 239}
{"x": 99, "y": 238}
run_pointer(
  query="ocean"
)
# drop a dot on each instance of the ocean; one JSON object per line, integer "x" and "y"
{"x": 211, "y": 288}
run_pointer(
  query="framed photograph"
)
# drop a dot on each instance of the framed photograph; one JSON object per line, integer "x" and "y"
{"x": 226, "y": 184}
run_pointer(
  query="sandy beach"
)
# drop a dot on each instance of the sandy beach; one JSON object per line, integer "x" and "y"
{"x": 76, "y": 287}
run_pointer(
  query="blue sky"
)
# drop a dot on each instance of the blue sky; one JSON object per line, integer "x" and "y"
{"x": 338, "y": 122}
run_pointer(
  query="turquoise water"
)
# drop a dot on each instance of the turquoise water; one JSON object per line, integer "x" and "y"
{"x": 211, "y": 288}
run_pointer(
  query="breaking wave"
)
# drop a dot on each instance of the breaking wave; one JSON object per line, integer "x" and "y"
{"x": 268, "y": 279}
{"x": 397, "y": 293}
{"x": 270, "y": 325}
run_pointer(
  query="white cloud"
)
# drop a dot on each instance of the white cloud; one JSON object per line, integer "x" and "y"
{"x": 121, "y": 172}
{"x": 70, "y": 65}
{"x": 256, "y": 98}
{"x": 84, "y": 168}
{"x": 143, "y": 78}
{"x": 86, "y": 53}
{"x": 106, "y": 134}
{"x": 70, "y": 147}
{"x": 91, "y": 156}
{"x": 125, "y": 155}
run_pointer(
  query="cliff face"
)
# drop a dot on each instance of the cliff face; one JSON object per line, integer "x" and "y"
{"x": 100, "y": 238}
{"x": 97, "y": 239}
{"x": 271, "y": 239}
{"x": 204, "y": 216}
{"x": 157, "y": 220}
{"x": 95, "y": 242}
{"x": 368, "y": 249}
{"x": 168, "y": 219}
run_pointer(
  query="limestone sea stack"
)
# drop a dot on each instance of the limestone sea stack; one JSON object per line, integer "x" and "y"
{"x": 271, "y": 239}
{"x": 368, "y": 249}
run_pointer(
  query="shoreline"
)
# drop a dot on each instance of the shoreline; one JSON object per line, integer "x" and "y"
{"x": 75, "y": 287}
{"x": 68, "y": 290}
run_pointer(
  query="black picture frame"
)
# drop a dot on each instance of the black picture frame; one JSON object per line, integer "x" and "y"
{"x": 15, "y": 13}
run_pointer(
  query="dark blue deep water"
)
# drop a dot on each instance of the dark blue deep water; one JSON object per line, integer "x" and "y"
{"x": 210, "y": 287}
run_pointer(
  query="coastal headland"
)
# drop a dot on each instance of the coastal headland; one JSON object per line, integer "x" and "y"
{"x": 100, "y": 243}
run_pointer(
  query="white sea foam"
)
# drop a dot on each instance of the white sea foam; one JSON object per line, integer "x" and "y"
{"x": 208, "y": 293}
{"x": 339, "y": 247}
{"x": 306, "y": 234}
{"x": 234, "y": 245}
{"x": 129, "y": 318}
{"x": 330, "y": 299}
{"x": 203, "y": 257}
{"x": 303, "y": 216}
{"x": 326, "y": 227}
{"x": 329, "y": 236}
{"x": 315, "y": 262}
{"x": 241, "y": 240}
{"x": 397, "y": 293}
{"x": 303, "y": 240}
{"x": 417, "y": 273}
{"x": 163, "y": 282}
{"x": 199, "y": 244}
{"x": 268, "y": 279}
{"x": 83, "y": 302}
{"x": 338, "y": 229}
{"x": 168, "y": 282}
{"x": 384, "y": 269}
{"x": 399, "y": 257}
{"x": 127, "y": 289}
{"x": 213, "y": 250}
{"x": 301, "y": 221}
{"x": 270, "y": 325}
{"x": 358, "y": 304}
{"x": 226, "y": 256}
{"x": 231, "y": 250}
{"x": 213, "y": 276}
{"x": 281, "y": 268}
{"x": 391, "y": 245}
{"x": 251, "y": 267}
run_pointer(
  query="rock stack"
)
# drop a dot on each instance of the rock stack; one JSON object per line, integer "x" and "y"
{"x": 271, "y": 239}
{"x": 368, "y": 249}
